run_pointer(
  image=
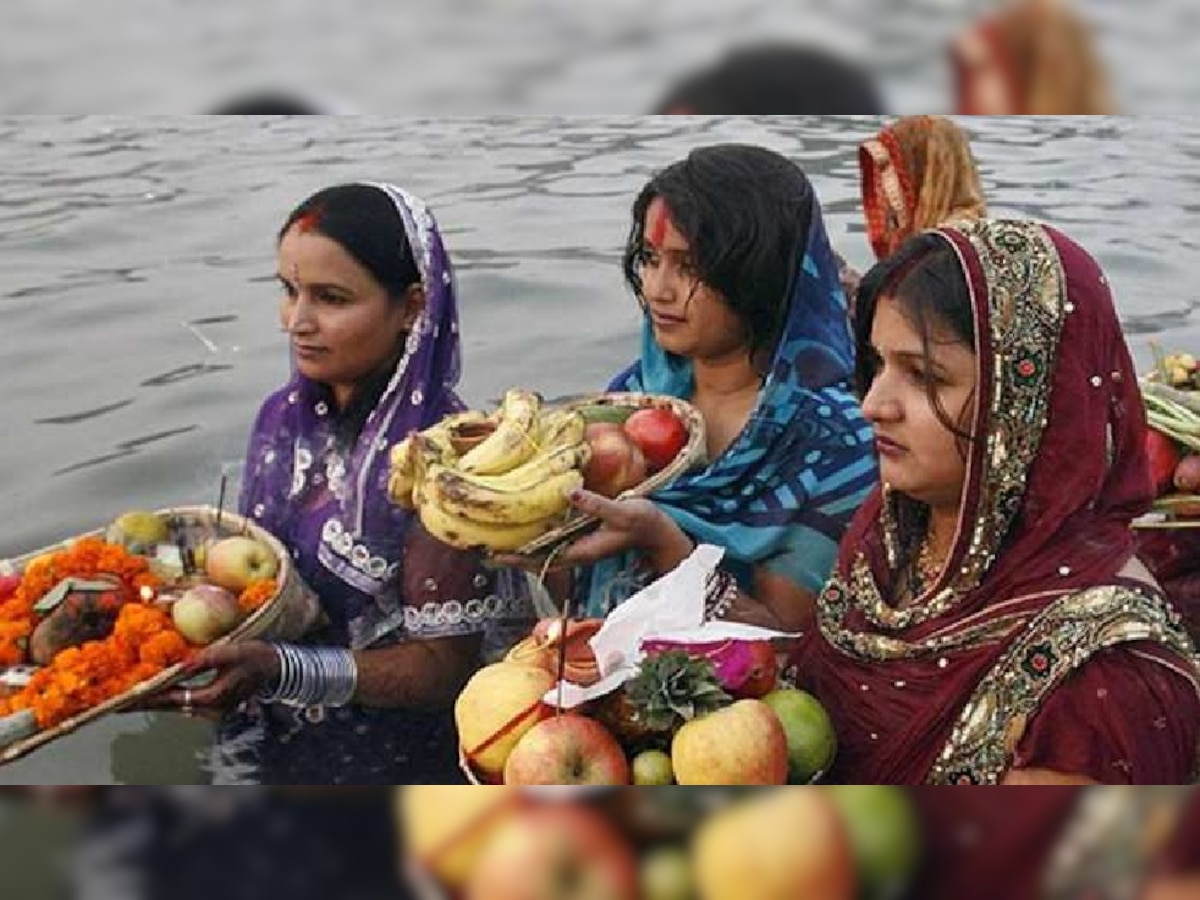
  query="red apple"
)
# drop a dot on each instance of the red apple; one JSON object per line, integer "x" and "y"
{"x": 568, "y": 749}
{"x": 1163, "y": 454}
{"x": 616, "y": 464}
{"x": 764, "y": 671}
{"x": 559, "y": 851}
{"x": 204, "y": 613}
{"x": 741, "y": 744}
{"x": 234, "y": 562}
{"x": 659, "y": 434}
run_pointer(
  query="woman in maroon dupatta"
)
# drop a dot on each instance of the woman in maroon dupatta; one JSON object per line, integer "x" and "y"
{"x": 988, "y": 621}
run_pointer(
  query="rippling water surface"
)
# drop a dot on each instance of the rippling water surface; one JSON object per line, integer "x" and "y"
{"x": 138, "y": 307}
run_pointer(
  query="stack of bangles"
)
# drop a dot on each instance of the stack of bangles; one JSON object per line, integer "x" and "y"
{"x": 313, "y": 676}
{"x": 720, "y": 595}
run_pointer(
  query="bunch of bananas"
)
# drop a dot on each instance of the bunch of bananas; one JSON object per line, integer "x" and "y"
{"x": 504, "y": 488}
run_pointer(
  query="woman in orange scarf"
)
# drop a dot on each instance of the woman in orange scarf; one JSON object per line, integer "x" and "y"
{"x": 918, "y": 173}
{"x": 1033, "y": 58}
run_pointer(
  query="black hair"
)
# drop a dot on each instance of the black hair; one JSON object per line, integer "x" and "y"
{"x": 746, "y": 213}
{"x": 777, "y": 79}
{"x": 266, "y": 103}
{"x": 364, "y": 221}
{"x": 927, "y": 281}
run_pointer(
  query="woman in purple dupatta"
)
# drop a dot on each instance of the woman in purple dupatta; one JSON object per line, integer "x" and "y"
{"x": 369, "y": 305}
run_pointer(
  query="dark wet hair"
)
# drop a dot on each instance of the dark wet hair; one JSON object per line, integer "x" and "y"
{"x": 746, "y": 212}
{"x": 364, "y": 221}
{"x": 266, "y": 103}
{"x": 777, "y": 79}
{"x": 925, "y": 278}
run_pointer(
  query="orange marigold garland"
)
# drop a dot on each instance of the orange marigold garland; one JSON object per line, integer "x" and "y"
{"x": 87, "y": 557}
{"x": 256, "y": 594}
{"x": 143, "y": 643}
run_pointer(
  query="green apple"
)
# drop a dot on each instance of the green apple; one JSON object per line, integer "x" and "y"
{"x": 666, "y": 874}
{"x": 885, "y": 834}
{"x": 234, "y": 562}
{"x": 652, "y": 767}
{"x": 811, "y": 740}
{"x": 204, "y": 613}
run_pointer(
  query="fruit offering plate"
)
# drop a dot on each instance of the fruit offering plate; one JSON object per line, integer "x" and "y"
{"x": 622, "y": 405}
{"x": 190, "y": 531}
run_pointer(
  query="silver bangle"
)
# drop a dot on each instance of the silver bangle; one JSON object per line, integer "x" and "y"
{"x": 313, "y": 676}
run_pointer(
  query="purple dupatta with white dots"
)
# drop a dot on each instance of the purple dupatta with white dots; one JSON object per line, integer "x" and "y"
{"x": 299, "y": 484}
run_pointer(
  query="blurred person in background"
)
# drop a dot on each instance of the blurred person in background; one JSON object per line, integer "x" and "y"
{"x": 1031, "y": 58}
{"x": 988, "y": 620}
{"x": 776, "y": 79}
{"x": 368, "y": 303}
{"x": 916, "y": 174}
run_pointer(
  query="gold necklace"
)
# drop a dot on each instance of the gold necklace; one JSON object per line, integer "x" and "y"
{"x": 928, "y": 566}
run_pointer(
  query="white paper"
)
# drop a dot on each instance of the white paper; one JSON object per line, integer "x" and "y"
{"x": 670, "y": 609}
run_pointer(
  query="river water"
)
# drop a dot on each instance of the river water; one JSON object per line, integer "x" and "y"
{"x": 138, "y": 329}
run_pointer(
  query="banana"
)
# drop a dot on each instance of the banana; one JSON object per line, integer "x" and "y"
{"x": 559, "y": 428}
{"x": 555, "y": 461}
{"x": 514, "y": 440}
{"x": 467, "y": 535}
{"x": 459, "y": 496}
{"x": 402, "y": 477}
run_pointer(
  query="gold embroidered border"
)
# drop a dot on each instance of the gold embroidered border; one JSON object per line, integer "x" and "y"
{"x": 1059, "y": 641}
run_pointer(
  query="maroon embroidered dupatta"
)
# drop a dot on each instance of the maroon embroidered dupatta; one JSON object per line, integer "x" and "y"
{"x": 944, "y": 690}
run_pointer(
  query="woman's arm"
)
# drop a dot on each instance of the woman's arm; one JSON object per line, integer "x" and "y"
{"x": 418, "y": 675}
{"x": 779, "y": 604}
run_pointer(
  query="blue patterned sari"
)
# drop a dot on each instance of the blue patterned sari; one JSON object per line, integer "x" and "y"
{"x": 785, "y": 490}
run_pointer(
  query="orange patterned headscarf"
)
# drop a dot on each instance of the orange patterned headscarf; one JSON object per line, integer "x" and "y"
{"x": 1035, "y": 57}
{"x": 918, "y": 173}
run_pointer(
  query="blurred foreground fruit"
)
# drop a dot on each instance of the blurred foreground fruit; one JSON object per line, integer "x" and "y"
{"x": 777, "y": 845}
{"x": 811, "y": 741}
{"x": 885, "y": 834}
{"x": 446, "y": 827}
{"x": 667, "y": 875}
{"x": 562, "y": 851}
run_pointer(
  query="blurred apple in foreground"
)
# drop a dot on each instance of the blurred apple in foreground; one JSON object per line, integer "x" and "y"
{"x": 446, "y": 827}
{"x": 777, "y": 845}
{"x": 667, "y": 875}
{"x": 204, "y": 613}
{"x": 567, "y": 749}
{"x": 234, "y": 562}
{"x": 561, "y": 851}
{"x": 885, "y": 834}
{"x": 741, "y": 744}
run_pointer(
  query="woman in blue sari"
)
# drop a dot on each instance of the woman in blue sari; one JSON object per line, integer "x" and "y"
{"x": 746, "y": 319}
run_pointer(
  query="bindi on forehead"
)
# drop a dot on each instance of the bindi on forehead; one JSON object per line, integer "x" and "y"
{"x": 659, "y": 222}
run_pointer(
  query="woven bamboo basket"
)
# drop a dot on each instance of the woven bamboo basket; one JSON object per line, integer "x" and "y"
{"x": 285, "y": 615}
{"x": 693, "y": 454}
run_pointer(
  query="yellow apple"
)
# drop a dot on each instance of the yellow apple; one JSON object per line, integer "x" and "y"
{"x": 497, "y": 707}
{"x": 740, "y": 744}
{"x": 234, "y": 562}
